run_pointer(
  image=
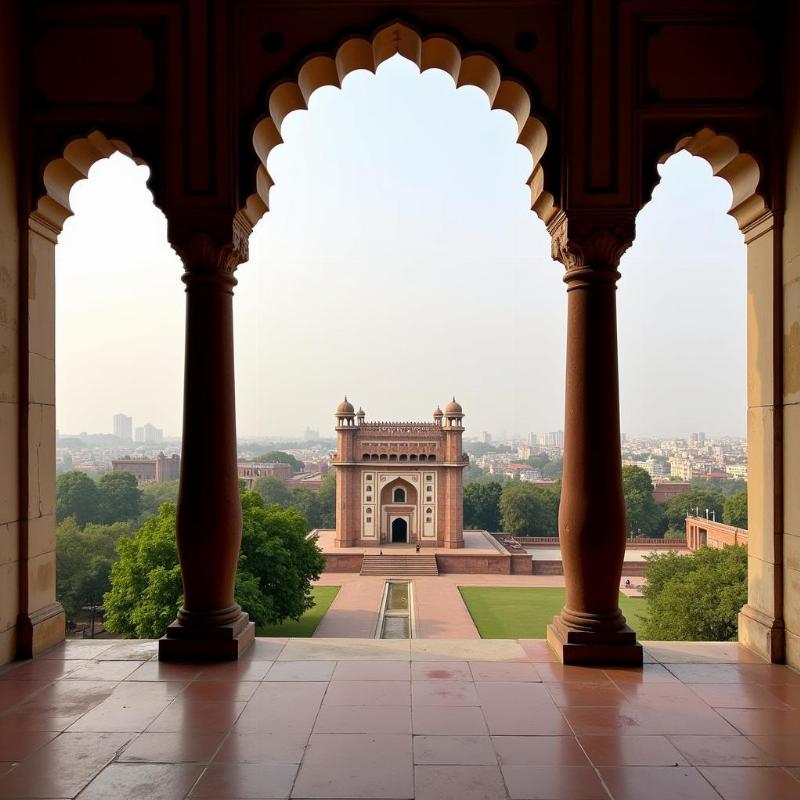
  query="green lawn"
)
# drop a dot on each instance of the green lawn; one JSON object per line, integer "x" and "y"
{"x": 512, "y": 612}
{"x": 307, "y": 624}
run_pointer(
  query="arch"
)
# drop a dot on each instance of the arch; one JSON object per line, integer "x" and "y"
{"x": 393, "y": 457}
{"x": 63, "y": 172}
{"x": 429, "y": 52}
{"x": 432, "y": 457}
{"x": 403, "y": 457}
{"x": 740, "y": 170}
{"x": 398, "y": 495}
{"x": 423, "y": 457}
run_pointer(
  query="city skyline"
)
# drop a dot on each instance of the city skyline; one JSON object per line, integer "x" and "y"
{"x": 349, "y": 186}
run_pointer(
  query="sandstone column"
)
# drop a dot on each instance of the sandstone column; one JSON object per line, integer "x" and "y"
{"x": 592, "y": 528}
{"x": 210, "y": 624}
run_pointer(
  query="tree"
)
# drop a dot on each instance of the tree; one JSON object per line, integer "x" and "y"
{"x": 307, "y": 503}
{"x": 734, "y": 510}
{"x": 327, "y": 501}
{"x": 276, "y": 566}
{"x": 553, "y": 470}
{"x": 482, "y": 505}
{"x": 84, "y": 559}
{"x": 77, "y": 496}
{"x": 279, "y": 457}
{"x": 272, "y": 491}
{"x": 695, "y": 597}
{"x": 155, "y": 494}
{"x": 528, "y": 510}
{"x": 644, "y": 515}
{"x": 677, "y": 508}
{"x": 120, "y": 497}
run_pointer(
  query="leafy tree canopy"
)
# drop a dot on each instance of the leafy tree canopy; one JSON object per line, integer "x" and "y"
{"x": 327, "y": 501}
{"x": 276, "y": 566}
{"x": 120, "y": 497}
{"x": 553, "y": 469}
{"x": 155, "y": 494}
{"x": 677, "y": 508}
{"x": 734, "y": 510}
{"x": 482, "y": 505}
{"x": 726, "y": 486}
{"x": 645, "y": 517}
{"x": 695, "y": 597}
{"x": 279, "y": 457}
{"x": 272, "y": 491}
{"x": 306, "y": 502}
{"x": 528, "y": 510}
{"x": 77, "y": 496}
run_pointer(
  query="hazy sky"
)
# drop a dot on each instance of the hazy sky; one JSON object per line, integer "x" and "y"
{"x": 400, "y": 264}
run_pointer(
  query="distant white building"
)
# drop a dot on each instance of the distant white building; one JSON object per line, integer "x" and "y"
{"x": 737, "y": 470}
{"x": 149, "y": 434}
{"x": 123, "y": 426}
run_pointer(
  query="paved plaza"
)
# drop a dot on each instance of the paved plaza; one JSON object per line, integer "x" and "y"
{"x": 427, "y": 719}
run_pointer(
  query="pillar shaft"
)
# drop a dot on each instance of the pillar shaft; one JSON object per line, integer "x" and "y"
{"x": 210, "y": 624}
{"x": 591, "y": 524}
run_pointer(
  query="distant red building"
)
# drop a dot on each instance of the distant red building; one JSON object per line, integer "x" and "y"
{"x": 702, "y": 532}
{"x": 664, "y": 491}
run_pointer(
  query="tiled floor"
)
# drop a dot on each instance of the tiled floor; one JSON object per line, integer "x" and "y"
{"x": 440, "y": 719}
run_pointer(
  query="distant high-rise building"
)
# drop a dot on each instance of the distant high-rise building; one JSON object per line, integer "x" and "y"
{"x": 123, "y": 426}
{"x": 551, "y": 439}
{"x": 138, "y": 435}
{"x": 485, "y": 437}
{"x": 311, "y": 435}
{"x": 153, "y": 435}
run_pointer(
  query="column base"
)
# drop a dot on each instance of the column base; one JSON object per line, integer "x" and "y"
{"x": 40, "y": 630}
{"x": 212, "y": 643}
{"x": 762, "y": 634}
{"x": 581, "y": 647}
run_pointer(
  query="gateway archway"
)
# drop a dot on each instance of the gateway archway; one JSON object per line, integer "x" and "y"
{"x": 400, "y": 530}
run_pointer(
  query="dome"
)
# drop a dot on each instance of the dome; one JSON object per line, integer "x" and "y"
{"x": 453, "y": 407}
{"x": 438, "y": 413}
{"x": 361, "y": 412}
{"x": 345, "y": 407}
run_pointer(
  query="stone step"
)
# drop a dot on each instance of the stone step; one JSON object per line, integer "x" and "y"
{"x": 400, "y": 565}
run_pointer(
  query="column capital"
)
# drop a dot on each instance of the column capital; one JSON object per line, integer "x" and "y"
{"x": 203, "y": 253}
{"x": 591, "y": 243}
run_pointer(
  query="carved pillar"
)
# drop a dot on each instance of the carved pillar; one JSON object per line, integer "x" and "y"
{"x": 210, "y": 624}
{"x": 592, "y": 529}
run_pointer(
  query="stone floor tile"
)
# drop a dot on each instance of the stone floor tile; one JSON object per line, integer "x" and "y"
{"x": 40, "y": 670}
{"x": 172, "y": 748}
{"x": 356, "y": 766}
{"x": 722, "y": 751}
{"x": 561, "y": 673}
{"x": 130, "y": 650}
{"x": 458, "y": 783}
{"x": 739, "y": 695}
{"x": 262, "y": 748}
{"x": 244, "y": 670}
{"x": 6, "y": 766}
{"x": 131, "y": 707}
{"x": 539, "y": 751}
{"x": 647, "y": 673}
{"x": 224, "y": 691}
{"x": 467, "y": 650}
{"x": 538, "y": 651}
{"x": 17, "y": 745}
{"x": 585, "y": 694}
{"x": 632, "y": 751}
{"x": 211, "y": 716}
{"x": 763, "y": 721}
{"x": 476, "y": 750}
{"x": 165, "y": 671}
{"x": 137, "y": 781}
{"x": 363, "y": 719}
{"x": 300, "y": 671}
{"x": 524, "y": 709}
{"x": 372, "y": 671}
{"x": 553, "y": 783}
{"x": 443, "y": 693}
{"x": 784, "y": 749}
{"x": 84, "y": 649}
{"x": 657, "y": 783}
{"x": 504, "y": 671}
{"x": 245, "y": 781}
{"x": 734, "y": 673}
{"x": 701, "y": 652}
{"x": 368, "y": 693}
{"x": 346, "y": 650}
{"x": 12, "y": 693}
{"x": 444, "y": 720}
{"x": 283, "y": 707}
{"x": 265, "y": 649}
{"x": 659, "y": 693}
{"x": 441, "y": 670}
{"x": 104, "y": 671}
{"x": 63, "y": 766}
{"x": 746, "y": 783}
{"x": 788, "y": 693}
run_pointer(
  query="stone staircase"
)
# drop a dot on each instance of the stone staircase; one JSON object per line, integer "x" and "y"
{"x": 399, "y": 565}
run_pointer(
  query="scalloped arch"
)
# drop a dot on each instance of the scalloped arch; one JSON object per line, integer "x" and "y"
{"x": 62, "y": 173}
{"x": 433, "y": 52}
{"x": 740, "y": 170}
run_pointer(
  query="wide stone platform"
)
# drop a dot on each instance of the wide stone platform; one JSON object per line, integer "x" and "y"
{"x": 332, "y": 718}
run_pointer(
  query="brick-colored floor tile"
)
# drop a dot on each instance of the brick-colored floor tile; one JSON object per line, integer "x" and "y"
{"x": 631, "y": 751}
{"x": 186, "y": 746}
{"x": 16, "y": 745}
{"x": 245, "y": 781}
{"x": 300, "y": 671}
{"x": 137, "y": 781}
{"x": 746, "y": 783}
{"x": 504, "y": 671}
{"x": 220, "y": 691}
{"x": 762, "y": 721}
{"x": 585, "y": 694}
{"x": 458, "y": 783}
{"x": 356, "y": 766}
{"x": 262, "y": 748}
{"x": 784, "y": 749}
{"x": 282, "y": 707}
{"x": 722, "y": 751}
{"x": 368, "y": 693}
{"x": 657, "y": 783}
{"x": 440, "y": 671}
{"x": 372, "y": 671}
{"x": 444, "y": 720}
{"x": 539, "y": 751}
{"x": 553, "y": 783}
{"x": 363, "y": 719}
{"x": 213, "y": 716}
{"x": 443, "y": 693}
{"x": 454, "y": 750}
{"x": 733, "y": 695}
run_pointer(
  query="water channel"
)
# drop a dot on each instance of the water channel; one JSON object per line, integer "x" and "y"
{"x": 396, "y": 619}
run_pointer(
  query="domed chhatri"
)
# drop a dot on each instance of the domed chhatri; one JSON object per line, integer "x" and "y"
{"x": 399, "y": 482}
{"x": 345, "y": 407}
{"x": 453, "y": 408}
